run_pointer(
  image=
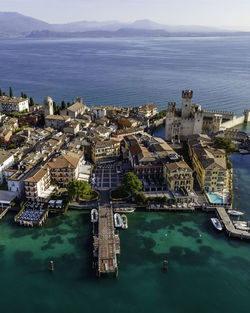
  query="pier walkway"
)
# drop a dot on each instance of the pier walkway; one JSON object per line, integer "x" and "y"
{"x": 229, "y": 226}
{"x": 106, "y": 243}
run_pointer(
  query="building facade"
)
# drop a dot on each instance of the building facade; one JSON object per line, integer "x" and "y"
{"x": 106, "y": 151}
{"x": 65, "y": 168}
{"x": 179, "y": 176}
{"x": 37, "y": 185}
{"x": 8, "y": 104}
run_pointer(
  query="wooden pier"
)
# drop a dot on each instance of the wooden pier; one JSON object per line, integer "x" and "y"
{"x": 3, "y": 212}
{"x": 106, "y": 243}
{"x": 229, "y": 226}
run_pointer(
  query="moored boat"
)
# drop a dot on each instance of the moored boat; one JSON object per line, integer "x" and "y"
{"x": 241, "y": 227}
{"x": 124, "y": 221}
{"x": 124, "y": 210}
{"x": 94, "y": 215}
{"x": 216, "y": 223}
{"x": 235, "y": 212}
{"x": 117, "y": 220}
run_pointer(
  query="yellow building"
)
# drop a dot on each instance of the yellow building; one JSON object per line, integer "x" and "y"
{"x": 105, "y": 151}
{"x": 210, "y": 165}
{"x": 178, "y": 176}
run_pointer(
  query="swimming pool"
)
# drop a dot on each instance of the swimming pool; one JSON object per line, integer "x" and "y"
{"x": 215, "y": 198}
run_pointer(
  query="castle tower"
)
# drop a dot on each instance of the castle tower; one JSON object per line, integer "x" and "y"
{"x": 187, "y": 96}
{"x": 247, "y": 116}
{"x": 48, "y": 106}
{"x": 217, "y": 120}
{"x": 169, "y": 120}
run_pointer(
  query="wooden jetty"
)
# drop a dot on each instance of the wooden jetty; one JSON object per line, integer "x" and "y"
{"x": 229, "y": 226}
{"x": 106, "y": 243}
{"x": 3, "y": 212}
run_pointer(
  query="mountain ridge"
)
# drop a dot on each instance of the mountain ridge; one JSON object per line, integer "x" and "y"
{"x": 14, "y": 24}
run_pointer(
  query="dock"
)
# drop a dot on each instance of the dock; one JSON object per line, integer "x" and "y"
{"x": 171, "y": 208}
{"x": 3, "y": 212}
{"x": 106, "y": 243}
{"x": 229, "y": 226}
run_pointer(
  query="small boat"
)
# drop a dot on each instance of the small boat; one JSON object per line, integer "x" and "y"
{"x": 240, "y": 223}
{"x": 124, "y": 221}
{"x": 241, "y": 227}
{"x": 94, "y": 215}
{"x": 243, "y": 151}
{"x": 117, "y": 220}
{"x": 235, "y": 212}
{"x": 124, "y": 210}
{"x": 216, "y": 223}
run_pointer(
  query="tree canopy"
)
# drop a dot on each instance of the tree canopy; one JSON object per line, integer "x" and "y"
{"x": 131, "y": 183}
{"x": 78, "y": 188}
{"x": 11, "y": 93}
{"x": 63, "y": 105}
{"x": 32, "y": 102}
{"x": 225, "y": 143}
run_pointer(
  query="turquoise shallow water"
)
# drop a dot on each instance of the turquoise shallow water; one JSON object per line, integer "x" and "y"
{"x": 207, "y": 271}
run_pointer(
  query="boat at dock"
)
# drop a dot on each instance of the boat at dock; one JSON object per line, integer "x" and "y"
{"x": 124, "y": 210}
{"x": 241, "y": 227}
{"x": 124, "y": 221}
{"x": 216, "y": 223}
{"x": 235, "y": 212}
{"x": 117, "y": 220}
{"x": 94, "y": 216}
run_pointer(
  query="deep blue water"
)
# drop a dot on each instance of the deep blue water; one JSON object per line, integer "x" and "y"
{"x": 130, "y": 71}
{"x": 208, "y": 272}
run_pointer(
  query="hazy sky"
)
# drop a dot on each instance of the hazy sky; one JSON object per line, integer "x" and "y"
{"x": 177, "y": 12}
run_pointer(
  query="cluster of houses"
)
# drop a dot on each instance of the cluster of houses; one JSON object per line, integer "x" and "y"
{"x": 42, "y": 150}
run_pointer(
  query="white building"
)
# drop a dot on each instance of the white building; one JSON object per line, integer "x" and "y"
{"x": 13, "y": 104}
{"x": 16, "y": 180}
{"x": 37, "y": 185}
{"x": 99, "y": 112}
{"x": 6, "y": 161}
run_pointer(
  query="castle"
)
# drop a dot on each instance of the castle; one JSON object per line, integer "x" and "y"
{"x": 192, "y": 120}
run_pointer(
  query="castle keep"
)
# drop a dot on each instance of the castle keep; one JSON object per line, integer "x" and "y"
{"x": 192, "y": 120}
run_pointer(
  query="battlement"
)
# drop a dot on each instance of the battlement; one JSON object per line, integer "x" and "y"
{"x": 187, "y": 94}
{"x": 218, "y": 112}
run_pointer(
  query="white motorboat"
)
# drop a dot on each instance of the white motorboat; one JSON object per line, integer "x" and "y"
{"x": 124, "y": 221}
{"x": 94, "y": 215}
{"x": 117, "y": 220}
{"x": 240, "y": 223}
{"x": 242, "y": 227}
{"x": 124, "y": 210}
{"x": 235, "y": 212}
{"x": 216, "y": 223}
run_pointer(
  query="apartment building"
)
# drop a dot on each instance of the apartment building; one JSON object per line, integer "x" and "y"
{"x": 105, "y": 151}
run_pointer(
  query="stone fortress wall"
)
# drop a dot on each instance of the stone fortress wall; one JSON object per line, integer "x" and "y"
{"x": 245, "y": 118}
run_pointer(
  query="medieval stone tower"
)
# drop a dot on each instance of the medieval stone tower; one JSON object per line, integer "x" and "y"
{"x": 48, "y": 106}
{"x": 187, "y": 96}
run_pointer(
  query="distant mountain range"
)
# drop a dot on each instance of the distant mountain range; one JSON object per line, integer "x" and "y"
{"x": 17, "y": 25}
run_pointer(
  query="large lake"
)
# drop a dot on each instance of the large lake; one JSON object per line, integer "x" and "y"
{"x": 130, "y": 72}
{"x": 208, "y": 272}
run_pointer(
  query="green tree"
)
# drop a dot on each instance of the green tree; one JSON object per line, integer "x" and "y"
{"x": 1, "y": 92}
{"x": 140, "y": 198}
{"x": 11, "y": 93}
{"x": 63, "y": 105}
{"x": 32, "y": 102}
{"x": 68, "y": 104}
{"x": 78, "y": 188}
{"x": 25, "y": 96}
{"x": 225, "y": 143}
{"x": 131, "y": 183}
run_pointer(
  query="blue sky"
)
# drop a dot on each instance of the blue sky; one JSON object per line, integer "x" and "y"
{"x": 175, "y": 12}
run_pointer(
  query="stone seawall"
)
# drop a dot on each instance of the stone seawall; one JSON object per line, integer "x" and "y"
{"x": 232, "y": 123}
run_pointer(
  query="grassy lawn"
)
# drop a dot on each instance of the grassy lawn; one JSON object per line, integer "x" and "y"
{"x": 119, "y": 194}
